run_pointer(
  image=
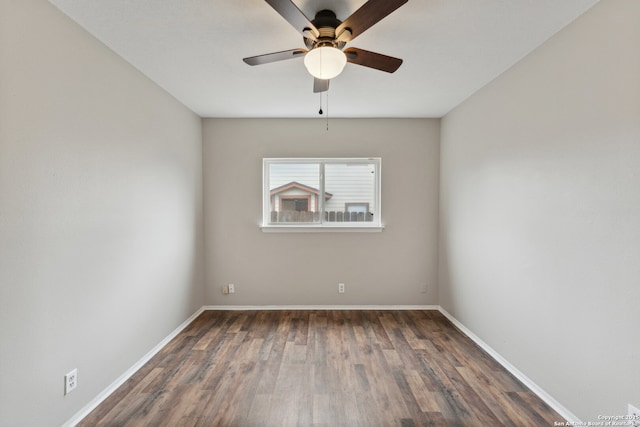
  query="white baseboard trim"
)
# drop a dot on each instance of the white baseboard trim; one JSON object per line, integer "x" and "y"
{"x": 320, "y": 307}
{"x": 546, "y": 397}
{"x": 79, "y": 416}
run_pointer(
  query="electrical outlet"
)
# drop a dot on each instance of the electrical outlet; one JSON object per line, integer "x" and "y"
{"x": 634, "y": 415}
{"x": 341, "y": 288}
{"x": 232, "y": 288}
{"x": 70, "y": 381}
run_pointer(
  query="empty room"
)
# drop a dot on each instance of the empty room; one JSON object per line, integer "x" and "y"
{"x": 319, "y": 213}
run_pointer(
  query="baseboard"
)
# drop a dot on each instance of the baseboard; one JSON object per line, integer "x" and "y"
{"x": 321, "y": 307}
{"x": 546, "y": 397}
{"x": 79, "y": 416}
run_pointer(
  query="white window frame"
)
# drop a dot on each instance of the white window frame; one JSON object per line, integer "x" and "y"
{"x": 375, "y": 225}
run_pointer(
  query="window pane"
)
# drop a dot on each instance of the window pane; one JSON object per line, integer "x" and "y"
{"x": 322, "y": 192}
{"x": 351, "y": 191}
{"x": 294, "y": 190}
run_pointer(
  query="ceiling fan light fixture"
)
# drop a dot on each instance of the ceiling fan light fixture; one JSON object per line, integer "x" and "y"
{"x": 325, "y": 62}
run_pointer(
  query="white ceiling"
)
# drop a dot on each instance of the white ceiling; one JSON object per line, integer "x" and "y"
{"x": 194, "y": 50}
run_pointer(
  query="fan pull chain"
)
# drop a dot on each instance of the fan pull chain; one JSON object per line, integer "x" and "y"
{"x": 320, "y": 111}
{"x": 327, "y": 99}
{"x": 327, "y": 111}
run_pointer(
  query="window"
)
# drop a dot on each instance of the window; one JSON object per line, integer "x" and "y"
{"x": 321, "y": 193}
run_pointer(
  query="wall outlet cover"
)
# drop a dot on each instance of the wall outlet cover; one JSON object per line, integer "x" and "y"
{"x": 70, "y": 381}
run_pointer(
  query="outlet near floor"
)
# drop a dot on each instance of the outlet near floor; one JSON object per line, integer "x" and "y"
{"x": 341, "y": 288}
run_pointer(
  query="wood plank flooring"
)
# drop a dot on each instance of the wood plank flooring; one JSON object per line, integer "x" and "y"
{"x": 322, "y": 368}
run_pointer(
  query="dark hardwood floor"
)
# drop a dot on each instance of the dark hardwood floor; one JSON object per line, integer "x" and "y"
{"x": 322, "y": 368}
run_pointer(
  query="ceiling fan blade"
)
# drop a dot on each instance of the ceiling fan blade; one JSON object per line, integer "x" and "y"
{"x": 372, "y": 60}
{"x": 276, "y": 56}
{"x": 294, "y": 16}
{"x": 364, "y": 18}
{"x": 320, "y": 85}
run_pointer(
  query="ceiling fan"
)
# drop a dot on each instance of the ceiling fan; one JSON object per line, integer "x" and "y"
{"x": 326, "y": 36}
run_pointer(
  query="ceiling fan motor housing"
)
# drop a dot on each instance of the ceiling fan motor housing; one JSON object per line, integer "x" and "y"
{"x": 326, "y": 22}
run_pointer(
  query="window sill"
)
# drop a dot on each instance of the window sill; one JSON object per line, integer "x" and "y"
{"x": 320, "y": 229}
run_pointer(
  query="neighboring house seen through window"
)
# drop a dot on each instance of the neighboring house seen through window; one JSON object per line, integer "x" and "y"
{"x": 322, "y": 192}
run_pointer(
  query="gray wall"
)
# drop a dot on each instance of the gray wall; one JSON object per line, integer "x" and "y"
{"x": 100, "y": 214}
{"x": 540, "y": 209}
{"x": 391, "y": 267}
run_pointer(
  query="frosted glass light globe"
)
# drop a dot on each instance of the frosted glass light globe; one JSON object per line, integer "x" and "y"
{"x": 325, "y": 62}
